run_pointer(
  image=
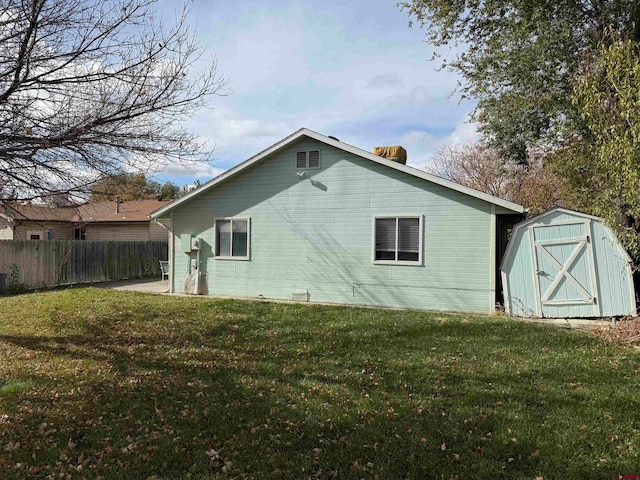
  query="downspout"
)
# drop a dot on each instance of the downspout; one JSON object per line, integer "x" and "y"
{"x": 492, "y": 254}
{"x": 170, "y": 259}
{"x": 161, "y": 224}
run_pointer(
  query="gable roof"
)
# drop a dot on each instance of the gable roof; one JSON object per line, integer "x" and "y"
{"x": 39, "y": 213}
{"x": 305, "y": 132}
{"x": 131, "y": 211}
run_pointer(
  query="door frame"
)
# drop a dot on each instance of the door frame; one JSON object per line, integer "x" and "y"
{"x": 562, "y": 271}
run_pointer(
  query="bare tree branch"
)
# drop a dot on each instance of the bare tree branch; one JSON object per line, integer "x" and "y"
{"x": 91, "y": 89}
{"x": 483, "y": 168}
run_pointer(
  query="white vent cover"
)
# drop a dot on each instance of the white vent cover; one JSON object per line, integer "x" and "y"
{"x": 301, "y": 295}
{"x": 314, "y": 158}
{"x": 301, "y": 160}
{"x": 310, "y": 159}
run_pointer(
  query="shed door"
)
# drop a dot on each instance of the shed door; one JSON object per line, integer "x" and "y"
{"x": 565, "y": 270}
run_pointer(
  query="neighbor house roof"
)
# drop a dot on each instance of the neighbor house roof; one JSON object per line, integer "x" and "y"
{"x": 40, "y": 213}
{"x": 305, "y": 132}
{"x": 131, "y": 211}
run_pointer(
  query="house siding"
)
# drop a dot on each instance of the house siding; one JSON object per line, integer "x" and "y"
{"x": 157, "y": 232}
{"x": 6, "y": 230}
{"x": 315, "y": 233}
{"x": 118, "y": 231}
{"x": 61, "y": 230}
{"x": 126, "y": 231}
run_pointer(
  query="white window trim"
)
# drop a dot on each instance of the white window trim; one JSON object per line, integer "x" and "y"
{"x": 306, "y": 151}
{"x": 399, "y": 262}
{"x": 215, "y": 238}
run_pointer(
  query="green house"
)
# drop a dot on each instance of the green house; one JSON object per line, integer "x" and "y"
{"x": 315, "y": 219}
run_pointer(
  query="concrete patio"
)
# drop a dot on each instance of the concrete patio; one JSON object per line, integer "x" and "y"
{"x": 145, "y": 285}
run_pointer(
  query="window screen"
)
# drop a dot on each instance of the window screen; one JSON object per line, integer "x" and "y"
{"x": 397, "y": 239}
{"x": 385, "y": 239}
{"x": 223, "y": 238}
{"x": 232, "y": 238}
{"x": 409, "y": 239}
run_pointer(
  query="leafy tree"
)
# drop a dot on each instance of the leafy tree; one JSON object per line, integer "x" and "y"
{"x": 125, "y": 187}
{"x": 170, "y": 190}
{"x": 519, "y": 59}
{"x": 89, "y": 88}
{"x": 603, "y": 167}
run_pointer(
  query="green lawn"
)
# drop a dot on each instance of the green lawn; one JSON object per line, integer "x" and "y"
{"x": 122, "y": 385}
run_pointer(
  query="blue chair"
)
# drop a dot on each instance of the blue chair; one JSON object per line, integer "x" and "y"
{"x": 164, "y": 267}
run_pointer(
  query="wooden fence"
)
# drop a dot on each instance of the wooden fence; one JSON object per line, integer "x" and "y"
{"x": 39, "y": 263}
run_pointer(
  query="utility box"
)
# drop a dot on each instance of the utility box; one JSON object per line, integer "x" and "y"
{"x": 300, "y": 295}
{"x": 185, "y": 242}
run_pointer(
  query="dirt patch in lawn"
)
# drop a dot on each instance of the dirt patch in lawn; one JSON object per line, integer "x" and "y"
{"x": 625, "y": 332}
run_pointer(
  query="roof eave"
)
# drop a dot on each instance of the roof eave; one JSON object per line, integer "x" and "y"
{"x": 514, "y": 207}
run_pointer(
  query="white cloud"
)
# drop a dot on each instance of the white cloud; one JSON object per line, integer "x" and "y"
{"x": 385, "y": 80}
{"x": 422, "y": 146}
{"x": 360, "y": 75}
{"x": 181, "y": 174}
{"x": 466, "y": 132}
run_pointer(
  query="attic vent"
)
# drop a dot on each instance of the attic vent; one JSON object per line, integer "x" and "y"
{"x": 314, "y": 159}
{"x": 301, "y": 160}
{"x": 308, "y": 159}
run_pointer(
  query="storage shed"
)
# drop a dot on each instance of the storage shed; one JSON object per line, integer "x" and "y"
{"x": 566, "y": 264}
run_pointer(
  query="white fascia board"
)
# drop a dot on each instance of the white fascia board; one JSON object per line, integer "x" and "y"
{"x": 417, "y": 173}
{"x": 554, "y": 210}
{"x": 229, "y": 173}
{"x": 514, "y": 207}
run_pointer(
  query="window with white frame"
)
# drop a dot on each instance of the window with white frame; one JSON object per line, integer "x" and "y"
{"x": 232, "y": 238}
{"x": 35, "y": 235}
{"x": 398, "y": 240}
{"x": 308, "y": 159}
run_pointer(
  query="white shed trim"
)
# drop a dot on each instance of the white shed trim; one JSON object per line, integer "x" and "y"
{"x": 534, "y": 266}
{"x": 492, "y": 256}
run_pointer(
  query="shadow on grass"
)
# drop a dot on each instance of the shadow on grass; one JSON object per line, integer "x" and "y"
{"x": 263, "y": 391}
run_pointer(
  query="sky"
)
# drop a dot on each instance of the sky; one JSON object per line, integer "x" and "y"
{"x": 351, "y": 69}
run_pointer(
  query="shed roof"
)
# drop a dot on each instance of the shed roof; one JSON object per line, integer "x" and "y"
{"x": 305, "y": 132}
{"x": 538, "y": 218}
